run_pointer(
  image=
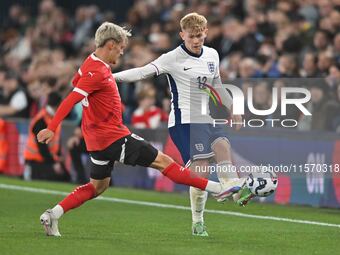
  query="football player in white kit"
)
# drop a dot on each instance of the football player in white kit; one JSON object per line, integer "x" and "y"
{"x": 191, "y": 69}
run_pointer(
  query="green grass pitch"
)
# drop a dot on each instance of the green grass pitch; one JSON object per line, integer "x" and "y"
{"x": 106, "y": 227}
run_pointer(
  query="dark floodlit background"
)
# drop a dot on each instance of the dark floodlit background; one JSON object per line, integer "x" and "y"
{"x": 261, "y": 44}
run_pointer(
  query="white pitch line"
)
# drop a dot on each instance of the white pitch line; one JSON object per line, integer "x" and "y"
{"x": 153, "y": 204}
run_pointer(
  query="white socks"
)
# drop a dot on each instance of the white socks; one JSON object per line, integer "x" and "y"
{"x": 198, "y": 199}
{"x": 225, "y": 173}
{"x": 213, "y": 187}
{"x": 57, "y": 211}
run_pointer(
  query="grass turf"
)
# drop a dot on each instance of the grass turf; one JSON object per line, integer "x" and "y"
{"x": 103, "y": 227}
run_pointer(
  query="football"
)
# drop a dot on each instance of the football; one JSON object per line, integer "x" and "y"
{"x": 262, "y": 183}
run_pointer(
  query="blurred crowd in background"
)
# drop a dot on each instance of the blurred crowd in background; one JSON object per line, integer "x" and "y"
{"x": 298, "y": 40}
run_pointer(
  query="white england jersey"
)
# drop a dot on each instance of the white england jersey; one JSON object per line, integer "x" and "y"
{"x": 187, "y": 75}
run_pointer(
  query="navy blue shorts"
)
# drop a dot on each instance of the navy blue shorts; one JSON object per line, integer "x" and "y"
{"x": 194, "y": 141}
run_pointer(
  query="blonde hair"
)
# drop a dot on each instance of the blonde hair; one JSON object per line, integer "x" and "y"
{"x": 194, "y": 22}
{"x": 110, "y": 31}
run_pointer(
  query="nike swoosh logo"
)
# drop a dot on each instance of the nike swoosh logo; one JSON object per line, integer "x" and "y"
{"x": 187, "y": 68}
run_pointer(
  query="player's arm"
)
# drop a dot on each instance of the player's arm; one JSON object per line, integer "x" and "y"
{"x": 42, "y": 147}
{"x": 156, "y": 67}
{"x": 136, "y": 74}
{"x": 226, "y": 100}
{"x": 46, "y": 135}
{"x": 85, "y": 83}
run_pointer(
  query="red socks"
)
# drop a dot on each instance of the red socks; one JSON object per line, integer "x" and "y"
{"x": 174, "y": 172}
{"x": 182, "y": 175}
{"x": 80, "y": 195}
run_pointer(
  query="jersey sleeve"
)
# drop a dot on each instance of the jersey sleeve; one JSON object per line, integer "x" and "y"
{"x": 217, "y": 78}
{"x": 64, "y": 109}
{"x": 163, "y": 63}
{"x": 136, "y": 74}
{"x": 217, "y": 71}
{"x": 88, "y": 82}
{"x": 226, "y": 99}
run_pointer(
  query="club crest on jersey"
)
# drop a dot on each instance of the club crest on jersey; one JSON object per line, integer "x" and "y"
{"x": 199, "y": 147}
{"x": 211, "y": 67}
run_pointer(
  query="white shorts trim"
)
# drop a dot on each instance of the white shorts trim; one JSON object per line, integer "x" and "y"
{"x": 218, "y": 139}
{"x": 122, "y": 154}
{"x": 203, "y": 156}
{"x": 100, "y": 162}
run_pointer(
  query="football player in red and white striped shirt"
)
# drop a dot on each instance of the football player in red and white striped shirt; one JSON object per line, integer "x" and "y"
{"x": 107, "y": 138}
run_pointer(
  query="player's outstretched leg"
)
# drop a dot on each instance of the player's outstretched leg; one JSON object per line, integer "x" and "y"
{"x": 49, "y": 219}
{"x": 182, "y": 175}
{"x": 228, "y": 178}
{"x": 243, "y": 196}
{"x": 226, "y": 172}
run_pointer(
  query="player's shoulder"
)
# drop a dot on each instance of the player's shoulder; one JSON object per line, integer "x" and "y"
{"x": 93, "y": 65}
{"x": 210, "y": 51}
{"x": 166, "y": 60}
{"x": 170, "y": 54}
